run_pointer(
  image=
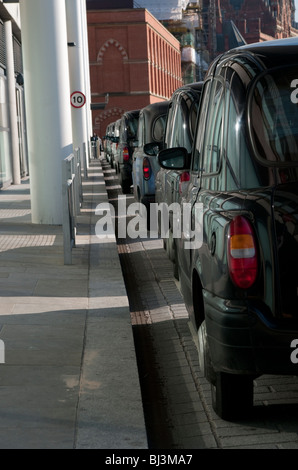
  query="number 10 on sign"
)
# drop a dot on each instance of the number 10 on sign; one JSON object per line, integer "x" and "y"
{"x": 77, "y": 99}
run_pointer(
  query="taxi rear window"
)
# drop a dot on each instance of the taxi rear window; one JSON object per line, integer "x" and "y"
{"x": 273, "y": 117}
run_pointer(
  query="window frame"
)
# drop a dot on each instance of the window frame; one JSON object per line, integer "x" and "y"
{"x": 202, "y": 131}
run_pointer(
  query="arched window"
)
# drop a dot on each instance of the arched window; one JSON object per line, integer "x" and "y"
{"x": 112, "y": 57}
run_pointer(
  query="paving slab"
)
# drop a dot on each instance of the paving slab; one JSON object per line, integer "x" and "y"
{"x": 69, "y": 378}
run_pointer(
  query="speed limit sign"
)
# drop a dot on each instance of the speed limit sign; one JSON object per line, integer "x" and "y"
{"x": 77, "y": 99}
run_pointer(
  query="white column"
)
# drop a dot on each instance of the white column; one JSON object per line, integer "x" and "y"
{"x": 47, "y": 94}
{"x": 16, "y": 168}
{"x": 76, "y": 44}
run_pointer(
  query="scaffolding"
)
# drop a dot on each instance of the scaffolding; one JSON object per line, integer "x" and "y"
{"x": 193, "y": 21}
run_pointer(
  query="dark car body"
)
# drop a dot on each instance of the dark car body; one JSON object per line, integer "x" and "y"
{"x": 108, "y": 141}
{"x": 127, "y": 143}
{"x": 240, "y": 279}
{"x": 115, "y": 143}
{"x": 145, "y": 163}
{"x": 179, "y": 132}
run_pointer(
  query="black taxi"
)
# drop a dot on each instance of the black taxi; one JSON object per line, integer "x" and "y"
{"x": 239, "y": 277}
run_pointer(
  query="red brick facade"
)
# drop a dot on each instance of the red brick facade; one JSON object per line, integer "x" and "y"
{"x": 258, "y": 20}
{"x": 133, "y": 59}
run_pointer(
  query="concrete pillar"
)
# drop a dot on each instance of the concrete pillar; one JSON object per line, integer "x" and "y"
{"x": 87, "y": 75}
{"x": 47, "y": 93}
{"x": 76, "y": 45}
{"x": 10, "y": 73}
{"x": 87, "y": 67}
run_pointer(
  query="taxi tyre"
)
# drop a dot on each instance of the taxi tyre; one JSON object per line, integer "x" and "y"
{"x": 232, "y": 395}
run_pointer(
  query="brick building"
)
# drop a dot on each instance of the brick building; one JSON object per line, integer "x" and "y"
{"x": 134, "y": 61}
{"x": 206, "y": 28}
{"x": 256, "y": 20}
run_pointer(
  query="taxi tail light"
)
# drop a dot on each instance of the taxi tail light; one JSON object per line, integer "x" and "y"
{"x": 184, "y": 179}
{"x": 146, "y": 169}
{"x": 125, "y": 154}
{"x": 242, "y": 253}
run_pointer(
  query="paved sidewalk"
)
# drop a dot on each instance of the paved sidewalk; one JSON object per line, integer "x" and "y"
{"x": 70, "y": 377}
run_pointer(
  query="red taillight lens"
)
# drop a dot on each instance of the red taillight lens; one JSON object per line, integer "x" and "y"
{"x": 242, "y": 253}
{"x": 183, "y": 181}
{"x": 146, "y": 169}
{"x": 125, "y": 154}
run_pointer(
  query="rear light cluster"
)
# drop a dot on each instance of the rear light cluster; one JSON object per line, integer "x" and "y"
{"x": 183, "y": 181}
{"x": 146, "y": 169}
{"x": 125, "y": 154}
{"x": 242, "y": 253}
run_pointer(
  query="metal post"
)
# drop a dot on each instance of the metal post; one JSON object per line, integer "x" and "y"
{"x": 76, "y": 44}
{"x": 85, "y": 160}
{"x": 77, "y": 181}
{"x": 68, "y": 207}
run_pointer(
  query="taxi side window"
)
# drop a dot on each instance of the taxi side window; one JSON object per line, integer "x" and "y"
{"x": 158, "y": 128}
{"x": 201, "y": 128}
{"x": 213, "y": 137}
{"x": 141, "y": 131}
{"x": 170, "y": 124}
{"x": 184, "y": 121}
